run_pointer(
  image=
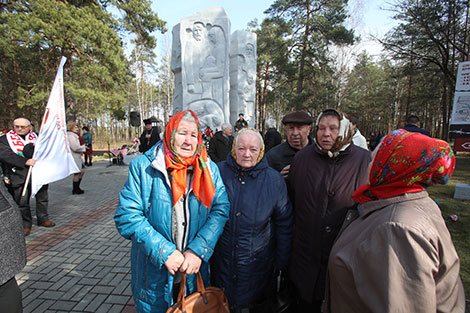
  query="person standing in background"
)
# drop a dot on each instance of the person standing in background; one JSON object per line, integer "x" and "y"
{"x": 87, "y": 140}
{"x": 413, "y": 125}
{"x": 357, "y": 139}
{"x": 16, "y": 156}
{"x": 240, "y": 123}
{"x": 221, "y": 144}
{"x": 272, "y": 137}
{"x": 297, "y": 125}
{"x": 77, "y": 147}
{"x": 150, "y": 136}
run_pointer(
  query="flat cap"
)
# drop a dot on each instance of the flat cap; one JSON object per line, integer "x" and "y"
{"x": 297, "y": 117}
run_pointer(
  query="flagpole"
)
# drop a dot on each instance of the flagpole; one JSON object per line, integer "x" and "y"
{"x": 28, "y": 177}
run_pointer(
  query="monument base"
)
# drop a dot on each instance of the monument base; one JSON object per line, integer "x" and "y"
{"x": 462, "y": 191}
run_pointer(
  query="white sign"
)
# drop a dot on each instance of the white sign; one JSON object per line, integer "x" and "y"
{"x": 463, "y": 77}
{"x": 461, "y": 108}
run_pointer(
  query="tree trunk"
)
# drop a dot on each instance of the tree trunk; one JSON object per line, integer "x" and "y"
{"x": 300, "y": 81}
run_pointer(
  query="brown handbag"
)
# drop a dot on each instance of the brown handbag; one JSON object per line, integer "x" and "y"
{"x": 204, "y": 300}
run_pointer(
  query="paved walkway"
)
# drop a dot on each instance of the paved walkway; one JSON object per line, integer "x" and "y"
{"x": 81, "y": 264}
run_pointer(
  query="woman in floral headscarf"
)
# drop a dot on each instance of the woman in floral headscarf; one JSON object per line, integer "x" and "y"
{"x": 394, "y": 253}
{"x": 173, "y": 207}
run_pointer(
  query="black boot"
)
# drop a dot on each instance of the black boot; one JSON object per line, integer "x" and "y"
{"x": 76, "y": 188}
{"x": 79, "y": 182}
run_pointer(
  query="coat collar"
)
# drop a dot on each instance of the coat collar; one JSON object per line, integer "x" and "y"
{"x": 369, "y": 207}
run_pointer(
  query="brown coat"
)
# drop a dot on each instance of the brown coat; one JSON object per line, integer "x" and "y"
{"x": 320, "y": 189}
{"x": 396, "y": 256}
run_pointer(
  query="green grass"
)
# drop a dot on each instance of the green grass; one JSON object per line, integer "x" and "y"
{"x": 460, "y": 230}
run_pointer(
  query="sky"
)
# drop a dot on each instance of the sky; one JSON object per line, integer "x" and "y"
{"x": 367, "y": 17}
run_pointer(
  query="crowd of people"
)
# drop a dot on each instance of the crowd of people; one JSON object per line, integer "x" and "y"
{"x": 248, "y": 216}
{"x": 343, "y": 229}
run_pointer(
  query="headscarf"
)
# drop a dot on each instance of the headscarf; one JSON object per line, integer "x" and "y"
{"x": 345, "y": 134}
{"x": 407, "y": 162}
{"x": 203, "y": 187}
{"x": 248, "y": 130}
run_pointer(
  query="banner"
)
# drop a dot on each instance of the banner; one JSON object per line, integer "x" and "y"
{"x": 54, "y": 160}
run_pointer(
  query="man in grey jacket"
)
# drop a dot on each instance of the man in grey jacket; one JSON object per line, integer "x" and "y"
{"x": 13, "y": 252}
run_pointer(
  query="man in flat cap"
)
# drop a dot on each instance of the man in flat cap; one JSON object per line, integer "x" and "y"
{"x": 150, "y": 136}
{"x": 297, "y": 126}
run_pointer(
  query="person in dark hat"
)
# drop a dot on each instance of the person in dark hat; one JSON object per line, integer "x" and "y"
{"x": 240, "y": 123}
{"x": 150, "y": 136}
{"x": 297, "y": 125}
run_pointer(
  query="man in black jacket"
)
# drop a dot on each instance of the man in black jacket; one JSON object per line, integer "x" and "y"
{"x": 221, "y": 144}
{"x": 297, "y": 125}
{"x": 413, "y": 125}
{"x": 16, "y": 152}
{"x": 150, "y": 136}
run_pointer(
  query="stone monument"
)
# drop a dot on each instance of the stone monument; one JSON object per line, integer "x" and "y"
{"x": 243, "y": 76}
{"x": 200, "y": 63}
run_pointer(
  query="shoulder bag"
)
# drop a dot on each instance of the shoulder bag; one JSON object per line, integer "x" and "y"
{"x": 204, "y": 300}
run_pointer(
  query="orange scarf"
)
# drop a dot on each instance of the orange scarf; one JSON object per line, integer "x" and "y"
{"x": 203, "y": 187}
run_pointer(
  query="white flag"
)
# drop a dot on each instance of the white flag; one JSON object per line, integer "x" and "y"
{"x": 54, "y": 159}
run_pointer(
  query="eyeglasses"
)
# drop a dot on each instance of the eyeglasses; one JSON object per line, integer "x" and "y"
{"x": 21, "y": 126}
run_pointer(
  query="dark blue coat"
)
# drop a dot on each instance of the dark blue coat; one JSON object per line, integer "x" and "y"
{"x": 256, "y": 240}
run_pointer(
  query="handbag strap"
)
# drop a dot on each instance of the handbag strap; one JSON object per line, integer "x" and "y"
{"x": 200, "y": 289}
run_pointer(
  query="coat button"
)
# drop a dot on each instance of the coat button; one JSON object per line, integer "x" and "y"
{"x": 236, "y": 246}
{"x": 164, "y": 251}
{"x": 238, "y": 214}
{"x": 205, "y": 250}
{"x": 328, "y": 229}
{"x": 331, "y": 193}
{"x": 202, "y": 256}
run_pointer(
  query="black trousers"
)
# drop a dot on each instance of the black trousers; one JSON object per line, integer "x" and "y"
{"x": 10, "y": 297}
{"x": 42, "y": 202}
{"x": 88, "y": 159}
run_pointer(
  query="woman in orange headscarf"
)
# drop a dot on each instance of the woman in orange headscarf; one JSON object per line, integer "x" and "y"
{"x": 173, "y": 207}
{"x": 394, "y": 253}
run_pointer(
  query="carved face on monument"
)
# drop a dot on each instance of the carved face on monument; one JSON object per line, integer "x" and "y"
{"x": 250, "y": 50}
{"x": 198, "y": 31}
{"x": 215, "y": 35}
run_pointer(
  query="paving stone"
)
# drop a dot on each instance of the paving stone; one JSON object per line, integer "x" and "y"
{"x": 117, "y": 299}
{"x": 64, "y": 305}
{"x": 104, "y": 308}
{"x": 51, "y": 295}
{"x": 107, "y": 290}
{"x": 81, "y": 293}
{"x": 96, "y": 303}
{"x": 43, "y": 306}
{"x": 84, "y": 302}
{"x": 42, "y": 285}
{"x": 75, "y": 266}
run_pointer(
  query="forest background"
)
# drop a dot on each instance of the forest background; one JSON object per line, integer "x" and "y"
{"x": 306, "y": 60}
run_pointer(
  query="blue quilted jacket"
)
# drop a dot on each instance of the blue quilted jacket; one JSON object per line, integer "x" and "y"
{"x": 144, "y": 216}
{"x": 257, "y": 238}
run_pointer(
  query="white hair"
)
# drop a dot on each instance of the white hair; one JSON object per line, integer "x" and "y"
{"x": 271, "y": 123}
{"x": 187, "y": 116}
{"x": 245, "y": 131}
{"x": 225, "y": 126}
